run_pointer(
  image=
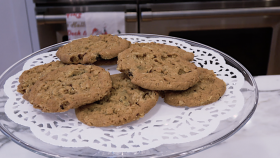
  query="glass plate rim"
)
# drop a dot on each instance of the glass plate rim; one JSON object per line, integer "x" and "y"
{"x": 184, "y": 153}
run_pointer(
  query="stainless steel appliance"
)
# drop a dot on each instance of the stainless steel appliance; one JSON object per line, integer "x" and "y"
{"x": 247, "y": 30}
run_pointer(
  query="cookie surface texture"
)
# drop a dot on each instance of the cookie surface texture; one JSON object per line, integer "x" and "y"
{"x": 158, "y": 67}
{"x": 70, "y": 87}
{"x": 89, "y": 50}
{"x": 126, "y": 102}
{"x": 29, "y": 77}
{"x": 208, "y": 90}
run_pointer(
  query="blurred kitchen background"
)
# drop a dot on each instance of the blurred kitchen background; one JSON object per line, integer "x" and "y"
{"x": 247, "y": 30}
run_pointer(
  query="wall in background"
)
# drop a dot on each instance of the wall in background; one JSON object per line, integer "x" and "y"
{"x": 18, "y": 31}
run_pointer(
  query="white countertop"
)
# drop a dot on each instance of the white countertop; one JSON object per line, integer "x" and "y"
{"x": 259, "y": 138}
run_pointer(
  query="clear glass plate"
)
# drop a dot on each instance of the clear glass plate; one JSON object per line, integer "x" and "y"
{"x": 24, "y": 137}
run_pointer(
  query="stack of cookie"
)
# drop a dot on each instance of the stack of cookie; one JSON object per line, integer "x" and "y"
{"x": 101, "y": 99}
{"x": 168, "y": 69}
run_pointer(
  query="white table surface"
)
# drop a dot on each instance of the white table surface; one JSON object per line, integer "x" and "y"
{"x": 259, "y": 138}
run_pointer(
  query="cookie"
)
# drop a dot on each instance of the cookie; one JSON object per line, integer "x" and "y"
{"x": 208, "y": 90}
{"x": 69, "y": 87}
{"x": 89, "y": 50}
{"x": 29, "y": 77}
{"x": 126, "y": 102}
{"x": 158, "y": 67}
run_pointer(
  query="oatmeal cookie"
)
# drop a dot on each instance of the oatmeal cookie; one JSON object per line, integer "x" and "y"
{"x": 126, "y": 102}
{"x": 208, "y": 90}
{"x": 158, "y": 67}
{"x": 69, "y": 87}
{"x": 29, "y": 77}
{"x": 89, "y": 50}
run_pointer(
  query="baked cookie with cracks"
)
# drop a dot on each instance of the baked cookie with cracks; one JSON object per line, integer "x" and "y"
{"x": 29, "y": 77}
{"x": 158, "y": 67}
{"x": 91, "y": 49}
{"x": 209, "y": 89}
{"x": 70, "y": 87}
{"x": 126, "y": 103}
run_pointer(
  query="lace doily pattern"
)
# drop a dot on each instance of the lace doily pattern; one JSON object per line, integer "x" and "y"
{"x": 164, "y": 124}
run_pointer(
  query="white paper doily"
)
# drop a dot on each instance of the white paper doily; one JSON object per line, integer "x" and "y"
{"x": 164, "y": 124}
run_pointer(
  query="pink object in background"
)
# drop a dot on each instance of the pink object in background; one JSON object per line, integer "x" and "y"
{"x": 76, "y": 26}
{"x": 81, "y": 25}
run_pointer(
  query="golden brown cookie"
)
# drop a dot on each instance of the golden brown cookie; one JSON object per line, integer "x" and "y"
{"x": 208, "y": 90}
{"x": 29, "y": 77}
{"x": 126, "y": 102}
{"x": 158, "y": 67}
{"x": 69, "y": 87}
{"x": 89, "y": 50}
